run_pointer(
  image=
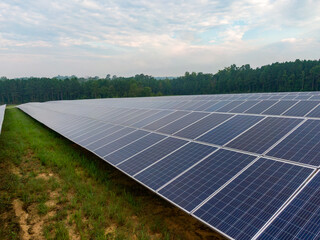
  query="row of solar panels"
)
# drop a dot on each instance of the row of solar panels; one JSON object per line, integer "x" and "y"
{"x": 249, "y": 133}
{"x": 245, "y": 96}
{"x": 212, "y": 165}
{"x": 2, "y": 110}
{"x": 295, "y": 108}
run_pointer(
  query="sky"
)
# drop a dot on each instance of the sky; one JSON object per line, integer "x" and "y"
{"x": 46, "y": 38}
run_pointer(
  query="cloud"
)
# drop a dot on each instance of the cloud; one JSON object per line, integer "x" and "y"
{"x": 158, "y": 37}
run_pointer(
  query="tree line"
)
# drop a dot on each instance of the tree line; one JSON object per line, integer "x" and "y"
{"x": 277, "y": 77}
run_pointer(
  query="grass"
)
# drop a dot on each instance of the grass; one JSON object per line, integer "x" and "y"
{"x": 72, "y": 194}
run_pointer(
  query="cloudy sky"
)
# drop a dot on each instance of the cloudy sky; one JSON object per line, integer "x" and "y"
{"x": 155, "y": 37}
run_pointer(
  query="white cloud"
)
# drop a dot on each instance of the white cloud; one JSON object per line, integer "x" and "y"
{"x": 158, "y": 37}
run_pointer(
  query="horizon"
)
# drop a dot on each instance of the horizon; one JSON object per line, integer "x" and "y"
{"x": 123, "y": 38}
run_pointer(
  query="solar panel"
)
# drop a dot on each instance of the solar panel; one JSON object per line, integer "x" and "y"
{"x": 151, "y": 119}
{"x": 182, "y": 122}
{"x": 93, "y": 132}
{"x": 133, "y": 148}
{"x": 233, "y": 187}
{"x": 229, "y": 106}
{"x": 2, "y": 110}
{"x": 109, "y": 138}
{"x": 242, "y": 207}
{"x": 244, "y": 106}
{"x": 302, "y": 145}
{"x": 205, "y": 106}
{"x": 315, "y": 112}
{"x": 144, "y": 159}
{"x": 229, "y": 130}
{"x": 88, "y": 128}
{"x": 263, "y": 135}
{"x": 279, "y": 107}
{"x": 202, "y": 126}
{"x": 301, "y": 108}
{"x": 120, "y": 142}
{"x": 143, "y": 115}
{"x": 300, "y": 219}
{"x": 261, "y": 106}
{"x": 161, "y": 172}
{"x": 196, "y": 185}
{"x": 165, "y": 120}
{"x": 96, "y": 136}
{"x": 216, "y": 106}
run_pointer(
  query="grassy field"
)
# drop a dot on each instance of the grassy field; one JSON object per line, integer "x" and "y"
{"x": 52, "y": 189}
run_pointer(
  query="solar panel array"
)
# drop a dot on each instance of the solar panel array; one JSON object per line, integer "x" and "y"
{"x": 244, "y": 164}
{"x": 2, "y": 110}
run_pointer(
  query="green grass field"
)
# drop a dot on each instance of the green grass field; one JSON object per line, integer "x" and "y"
{"x": 52, "y": 189}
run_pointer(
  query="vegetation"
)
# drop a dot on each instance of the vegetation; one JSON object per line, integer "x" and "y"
{"x": 288, "y": 76}
{"x": 52, "y": 189}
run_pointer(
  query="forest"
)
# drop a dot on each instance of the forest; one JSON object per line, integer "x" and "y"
{"x": 300, "y": 75}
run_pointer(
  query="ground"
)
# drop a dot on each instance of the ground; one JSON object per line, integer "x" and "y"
{"x": 51, "y": 188}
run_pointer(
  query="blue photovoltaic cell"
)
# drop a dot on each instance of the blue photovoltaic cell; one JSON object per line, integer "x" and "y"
{"x": 315, "y": 97}
{"x": 229, "y": 106}
{"x": 140, "y": 117}
{"x": 104, "y": 141}
{"x": 196, "y": 185}
{"x": 229, "y": 130}
{"x": 86, "y": 129}
{"x": 242, "y": 207}
{"x": 151, "y": 155}
{"x": 111, "y": 147}
{"x": 300, "y": 219}
{"x": 301, "y": 108}
{"x": 131, "y": 113}
{"x": 315, "y": 113}
{"x": 260, "y": 107}
{"x": 303, "y": 97}
{"x": 195, "y": 105}
{"x": 200, "y": 127}
{"x": 165, "y": 120}
{"x": 79, "y": 125}
{"x": 133, "y": 148}
{"x": 303, "y": 145}
{"x": 205, "y": 105}
{"x": 99, "y": 135}
{"x": 151, "y": 119}
{"x": 93, "y": 132}
{"x": 124, "y": 115}
{"x": 178, "y": 105}
{"x": 279, "y": 107}
{"x": 182, "y": 122}
{"x": 174, "y": 164}
{"x": 244, "y": 106}
{"x": 217, "y": 106}
{"x": 263, "y": 135}
{"x": 289, "y": 97}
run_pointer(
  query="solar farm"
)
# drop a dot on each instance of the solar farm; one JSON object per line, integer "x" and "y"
{"x": 246, "y": 165}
